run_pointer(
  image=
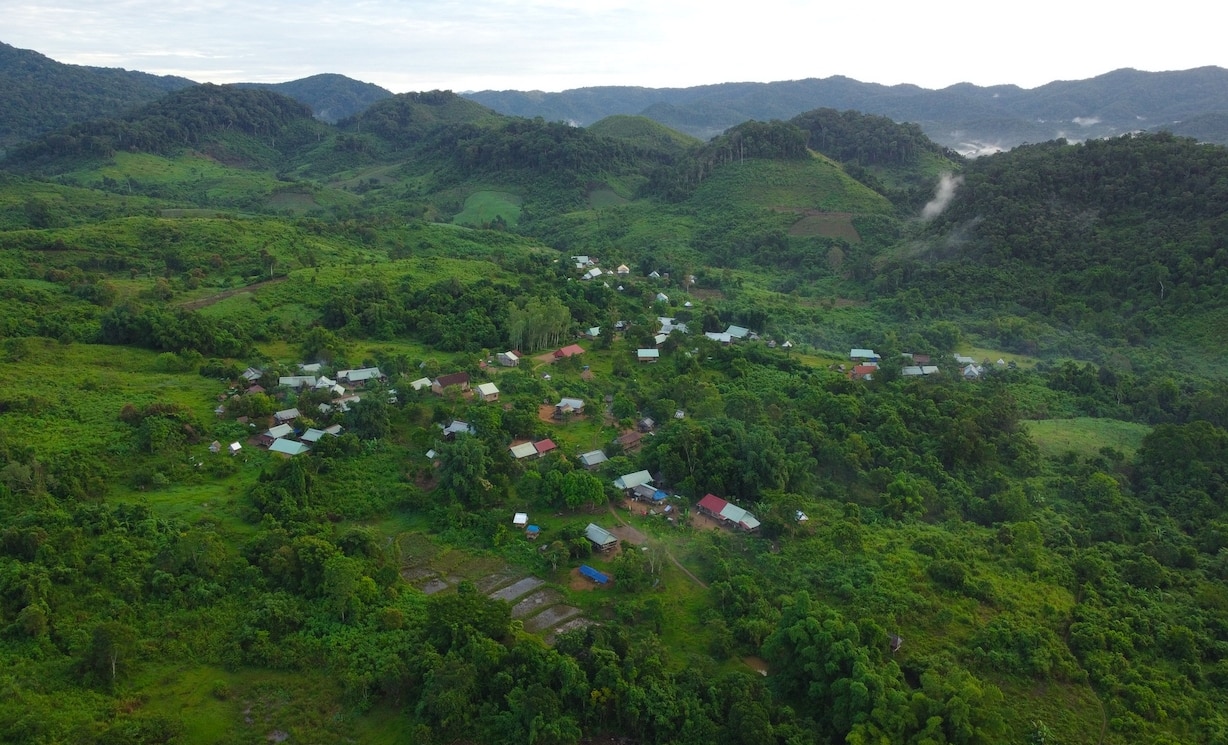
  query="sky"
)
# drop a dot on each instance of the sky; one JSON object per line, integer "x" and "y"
{"x": 554, "y": 45}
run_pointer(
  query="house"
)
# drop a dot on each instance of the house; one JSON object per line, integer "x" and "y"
{"x": 252, "y": 374}
{"x": 600, "y": 578}
{"x": 647, "y": 355}
{"x": 629, "y": 481}
{"x": 457, "y": 427}
{"x": 275, "y": 433}
{"x": 361, "y": 376}
{"x": 593, "y": 332}
{"x": 662, "y": 297}
{"x": 865, "y": 355}
{"x": 286, "y": 415}
{"x": 254, "y": 388}
{"x": 571, "y": 350}
{"x": 863, "y": 372}
{"x": 593, "y": 273}
{"x": 962, "y": 361}
{"x": 728, "y": 513}
{"x": 288, "y": 447}
{"x": 973, "y": 372}
{"x": 593, "y": 458}
{"x": 508, "y": 359}
{"x": 235, "y": 448}
{"x": 523, "y": 450}
{"x": 787, "y": 345}
{"x": 583, "y": 262}
{"x": 921, "y": 359}
{"x": 312, "y": 436}
{"x": 737, "y": 332}
{"x": 460, "y": 379}
{"x": 670, "y": 325}
{"x": 568, "y": 406}
{"x": 420, "y": 383}
{"x": 532, "y": 532}
{"x": 915, "y": 370}
{"x": 297, "y": 381}
{"x": 647, "y": 424}
{"x": 544, "y": 446}
{"x": 622, "y": 270}
{"x": 602, "y": 539}
{"x": 659, "y": 339}
{"x": 654, "y": 274}
{"x": 630, "y": 441}
{"x": 648, "y": 493}
{"x": 333, "y": 429}
{"x": 488, "y": 392}
{"x": 520, "y": 519}
{"x": 215, "y": 447}
{"x": 311, "y": 368}
{"x": 719, "y": 336}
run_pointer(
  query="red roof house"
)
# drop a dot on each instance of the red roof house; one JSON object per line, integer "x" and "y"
{"x": 712, "y": 505}
{"x": 544, "y": 446}
{"x": 570, "y": 350}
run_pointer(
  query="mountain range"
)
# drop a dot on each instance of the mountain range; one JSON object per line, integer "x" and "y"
{"x": 967, "y": 118}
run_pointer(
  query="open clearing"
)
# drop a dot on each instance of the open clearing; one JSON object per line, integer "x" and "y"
{"x": 1086, "y": 435}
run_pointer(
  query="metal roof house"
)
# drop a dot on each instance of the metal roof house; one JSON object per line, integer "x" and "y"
{"x": 602, "y": 539}
{"x": 632, "y": 480}
{"x": 288, "y": 447}
{"x": 523, "y": 450}
{"x": 593, "y": 458}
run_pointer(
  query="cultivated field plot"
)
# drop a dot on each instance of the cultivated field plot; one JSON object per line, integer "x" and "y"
{"x": 825, "y": 225}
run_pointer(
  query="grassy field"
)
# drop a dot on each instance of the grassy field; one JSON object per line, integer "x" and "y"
{"x": 1086, "y": 436}
{"x": 483, "y": 207}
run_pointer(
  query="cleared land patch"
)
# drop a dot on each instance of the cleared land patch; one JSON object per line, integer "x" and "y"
{"x": 814, "y": 223}
{"x": 1085, "y": 435}
{"x": 483, "y": 207}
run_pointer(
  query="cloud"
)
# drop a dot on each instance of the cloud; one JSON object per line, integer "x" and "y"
{"x": 943, "y": 195}
{"x": 1086, "y": 121}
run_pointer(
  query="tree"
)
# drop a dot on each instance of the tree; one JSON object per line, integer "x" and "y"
{"x": 463, "y": 465}
{"x": 111, "y": 649}
{"x": 581, "y": 488}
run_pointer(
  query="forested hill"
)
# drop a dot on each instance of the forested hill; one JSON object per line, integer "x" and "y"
{"x": 38, "y": 94}
{"x": 188, "y": 117}
{"x": 331, "y": 97}
{"x": 1113, "y": 235}
{"x": 966, "y": 117}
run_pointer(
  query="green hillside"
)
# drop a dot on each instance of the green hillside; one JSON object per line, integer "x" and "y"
{"x": 262, "y": 443}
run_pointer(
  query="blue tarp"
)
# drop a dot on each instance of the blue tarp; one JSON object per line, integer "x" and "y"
{"x": 593, "y": 574}
{"x": 533, "y": 529}
{"x": 659, "y": 495}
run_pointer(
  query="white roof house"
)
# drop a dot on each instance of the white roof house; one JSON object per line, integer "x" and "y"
{"x": 420, "y": 383}
{"x": 632, "y": 480}
{"x": 738, "y": 332}
{"x": 647, "y": 354}
{"x": 279, "y": 431}
{"x": 488, "y": 391}
{"x": 662, "y": 297}
{"x": 862, "y": 354}
{"x": 286, "y": 415}
{"x": 523, "y": 450}
{"x": 520, "y": 519}
{"x": 235, "y": 447}
{"x": 288, "y": 447}
{"x": 962, "y": 360}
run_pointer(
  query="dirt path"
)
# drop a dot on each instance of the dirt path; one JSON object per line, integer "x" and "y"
{"x": 205, "y": 302}
{"x": 668, "y": 553}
